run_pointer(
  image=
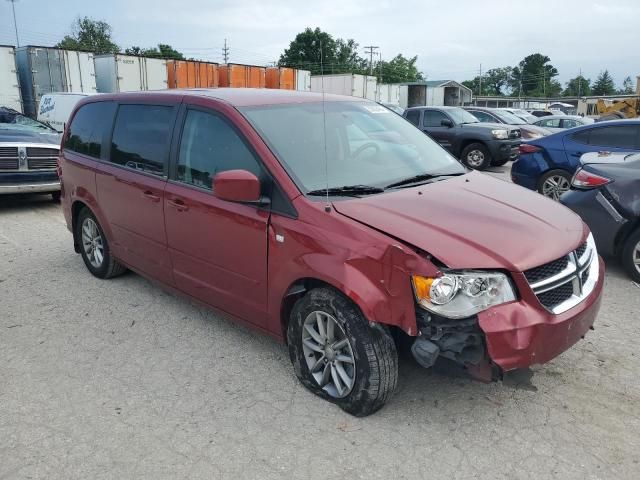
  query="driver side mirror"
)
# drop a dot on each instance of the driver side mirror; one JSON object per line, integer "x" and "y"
{"x": 446, "y": 123}
{"x": 237, "y": 186}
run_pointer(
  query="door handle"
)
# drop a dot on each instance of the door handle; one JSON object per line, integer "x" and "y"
{"x": 151, "y": 196}
{"x": 178, "y": 204}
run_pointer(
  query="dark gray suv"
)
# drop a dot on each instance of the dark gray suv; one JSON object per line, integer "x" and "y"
{"x": 478, "y": 145}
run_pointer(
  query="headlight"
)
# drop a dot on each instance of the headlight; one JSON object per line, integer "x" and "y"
{"x": 500, "y": 134}
{"x": 462, "y": 294}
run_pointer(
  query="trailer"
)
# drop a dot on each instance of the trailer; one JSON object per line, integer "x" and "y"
{"x": 44, "y": 70}
{"x": 283, "y": 78}
{"x": 363, "y": 86}
{"x": 303, "y": 80}
{"x": 192, "y": 74}
{"x": 388, "y": 93}
{"x": 236, "y": 75}
{"x": 116, "y": 72}
{"x": 9, "y": 86}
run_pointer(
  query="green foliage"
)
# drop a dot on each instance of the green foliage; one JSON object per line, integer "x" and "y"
{"x": 397, "y": 70}
{"x": 604, "y": 84}
{"x": 533, "y": 77}
{"x": 162, "y": 51}
{"x": 91, "y": 35}
{"x": 627, "y": 87}
{"x": 577, "y": 87}
{"x": 495, "y": 82}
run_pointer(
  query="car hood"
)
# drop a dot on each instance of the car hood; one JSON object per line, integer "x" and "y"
{"x": 473, "y": 221}
{"x": 26, "y": 136}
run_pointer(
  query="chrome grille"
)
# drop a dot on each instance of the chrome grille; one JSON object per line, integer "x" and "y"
{"x": 39, "y": 152}
{"x": 42, "y": 163}
{"x": 8, "y": 163}
{"x": 8, "y": 152}
{"x": 565, "y": 282}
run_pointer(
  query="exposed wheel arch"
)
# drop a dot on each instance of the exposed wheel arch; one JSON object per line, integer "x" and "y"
{"x": 76, "y": 207}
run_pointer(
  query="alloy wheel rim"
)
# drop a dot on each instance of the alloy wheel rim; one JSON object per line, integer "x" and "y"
{"x": 555, "y": 186}
{"x": 475, "y": 158}
{"x": 92, "y": 242}
{"x": 636, "y": 257}
{"x": 328, "y": 354}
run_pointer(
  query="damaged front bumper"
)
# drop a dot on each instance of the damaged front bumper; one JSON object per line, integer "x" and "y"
{"x": 506, "y": 337}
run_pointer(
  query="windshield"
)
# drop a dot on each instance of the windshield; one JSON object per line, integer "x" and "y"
{"x": 366, "y": 144}
{"x": 460, "y": 115}
{"x": 20, "y": 122}
{"x": 509, "y": 118}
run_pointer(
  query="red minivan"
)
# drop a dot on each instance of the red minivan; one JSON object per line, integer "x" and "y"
{"x": 331, "y": 224}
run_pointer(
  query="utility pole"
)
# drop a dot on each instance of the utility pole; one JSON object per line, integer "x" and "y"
{"x": 480, "y": 87}
{"x": 225, "y": 52}
{"x": 15, "y": 24}
{"x": 371, "y": 49}
{"x": 579, "y": 83}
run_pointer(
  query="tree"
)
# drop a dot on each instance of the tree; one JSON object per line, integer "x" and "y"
{"x": 604, "y": 84}
{"x": 577, "y": 87}
{"x": 534, "y": 77}
{"x": 399, "y": 69}
{"x": 627, "y": 87}
{"x": 91, "y": 35}
{"x": 475, "y": 85}
{"x": 162, "y": 51}
{"x": 496, "y": 80}
{"x": 338, "y": 56}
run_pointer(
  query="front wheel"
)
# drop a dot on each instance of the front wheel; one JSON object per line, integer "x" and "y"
{"x": 630, "y": 255}
{"x": 554, "y": 183}
{"x": 476, "y": 156}
{"x": 338, "y": 355}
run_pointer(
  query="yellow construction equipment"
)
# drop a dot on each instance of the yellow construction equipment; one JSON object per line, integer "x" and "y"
{"x": 615, "y": 109}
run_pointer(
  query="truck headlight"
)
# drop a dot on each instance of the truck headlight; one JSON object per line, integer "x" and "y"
{"x": 500, "y": 134}
{"x": 462, "y": 294}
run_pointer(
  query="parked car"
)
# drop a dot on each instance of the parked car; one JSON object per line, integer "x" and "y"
{"x": 523, "y": 114}
{"x": 547, "y": 164}
{"x": 28, "y": 155}
{"x": 478, "y": 145}
{"x": 54, "y": 108}
{"x": 493, "y": 115}
{"x": 557, "y": 123}
{"x": 604, "y": 192}
{"x": 331, "y": 224}
{"x": 543, "y": 113}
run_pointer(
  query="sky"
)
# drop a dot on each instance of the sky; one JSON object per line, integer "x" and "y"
{"x": 450, "y": 40}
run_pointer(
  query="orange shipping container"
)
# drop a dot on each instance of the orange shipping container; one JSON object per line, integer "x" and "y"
{"x": 281, "y": 77}
{"x": 241, "y": 76}
{"x": 192, "y": 74}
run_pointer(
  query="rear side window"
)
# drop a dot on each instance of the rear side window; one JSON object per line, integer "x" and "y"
{"x": 433, "y": 118}
{"x": 414, "y": 117}
{"x": 621, "y": 136}
{"x": 482, "y": 116}
{"x": 89, "y": 128}
{"x": 570, "y": 123}
{"x": 141, "y": 137}
{"x": 210, "y": 145}
{"x": 581, "y": 137}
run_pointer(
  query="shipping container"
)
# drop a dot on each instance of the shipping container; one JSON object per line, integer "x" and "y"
{"x": 363, "y": 86}
{"x": 128, "y": 73}
{"x": 242, "y": 76}
{"x": 283, "y": 78}
{"x": 413, "y": 95}
{"x": 389, "y": 93}
{"x": 9, "y": 86}
{"x": 47, "y": 70}
{"x": 192, "y": 74}
{"x": 303, "y": 80}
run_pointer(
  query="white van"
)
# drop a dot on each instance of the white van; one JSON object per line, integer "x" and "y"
{"x": 55, "y": 108}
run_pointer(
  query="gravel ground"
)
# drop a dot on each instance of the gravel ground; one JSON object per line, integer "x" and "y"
{"x": 118, "y": 379}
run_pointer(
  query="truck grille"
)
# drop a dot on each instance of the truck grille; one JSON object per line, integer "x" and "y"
{"x": 42, "y": 163}
{"x": 8, "y": 152}
{"x": 25, "y": 158}
{"x": 567, "y": 281}
{"x": 40, "y": 152}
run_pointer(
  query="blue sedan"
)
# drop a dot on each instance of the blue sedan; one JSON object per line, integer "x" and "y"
{"x": 548, "y": 163}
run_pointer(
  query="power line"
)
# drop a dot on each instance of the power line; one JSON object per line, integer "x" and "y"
{"x": 371, "y": 49}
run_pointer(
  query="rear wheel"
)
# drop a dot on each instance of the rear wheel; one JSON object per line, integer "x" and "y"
{"x": 630, "y": 255}
{"x": 94, "y": 247}
{"x": 476, "y": 156}
{"x": 554, "y": 183}
{"x": 338, "y": 355}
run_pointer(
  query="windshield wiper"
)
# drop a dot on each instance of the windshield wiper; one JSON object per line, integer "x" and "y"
{"x": 423, "y": 177}
{"x": 347, "y": 190}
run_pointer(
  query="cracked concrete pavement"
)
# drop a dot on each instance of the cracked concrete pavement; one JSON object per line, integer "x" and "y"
{"x": 118, "y": 379}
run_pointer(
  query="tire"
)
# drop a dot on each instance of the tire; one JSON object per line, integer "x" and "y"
{"x": 55, "y": 196}
{"x": 630, "y": 254}
{"x": 103, "y": 265}
{"x": 374, "y": 371}
{"x": 476, "y": 156}
{"x": 554, "y": 183}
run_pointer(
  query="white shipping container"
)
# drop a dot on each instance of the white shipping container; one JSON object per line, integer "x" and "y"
{"x": 389, "y": 93}
{"x": 9, "y": 86}
{"x": 45, "y": 70}
{"x": 128, "y": 73}
{"x": 345, "y": 84}
{"x": 303, "y": 80}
